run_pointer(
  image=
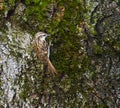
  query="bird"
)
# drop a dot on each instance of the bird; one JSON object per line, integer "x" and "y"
{"x": 41, "y": 48}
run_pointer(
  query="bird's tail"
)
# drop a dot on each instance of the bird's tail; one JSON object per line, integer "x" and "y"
{"x": 51, "y": 68}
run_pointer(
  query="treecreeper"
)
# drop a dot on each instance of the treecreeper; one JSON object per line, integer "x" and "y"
{"x": 41, "y": 48}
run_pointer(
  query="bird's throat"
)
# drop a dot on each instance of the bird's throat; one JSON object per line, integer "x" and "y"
{"x": 43, "y": 38}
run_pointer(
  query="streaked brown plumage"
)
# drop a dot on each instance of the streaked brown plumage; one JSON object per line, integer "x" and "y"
{"x": 41, "y": 48}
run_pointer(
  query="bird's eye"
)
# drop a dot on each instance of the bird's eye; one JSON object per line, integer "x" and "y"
{"x": 44, "y": 35}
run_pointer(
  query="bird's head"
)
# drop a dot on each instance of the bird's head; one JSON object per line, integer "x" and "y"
{"x": 41, "y": 36}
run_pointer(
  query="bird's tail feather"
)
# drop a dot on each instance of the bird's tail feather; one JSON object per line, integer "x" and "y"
{"x": 51, "y": 67}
